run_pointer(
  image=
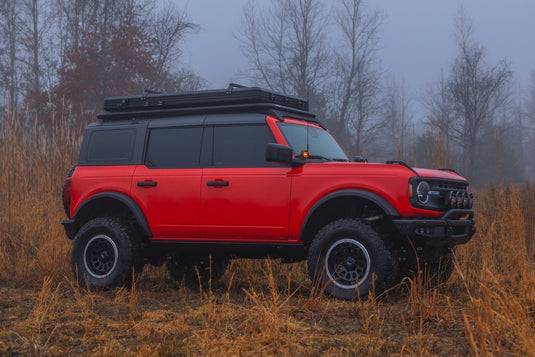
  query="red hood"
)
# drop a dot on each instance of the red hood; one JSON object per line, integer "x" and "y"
{"x": 379, "y": 169}
{"x": 439, "y": 174}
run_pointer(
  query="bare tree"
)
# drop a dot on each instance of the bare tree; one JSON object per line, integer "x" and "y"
{"x": 531, "y": 98}
{"x": 286, "y": 45}
{"x": 169, "y": 26}
{"x": 439, "y": 103}
{"x": 9, "y": 33}
{"x": 477, "y": 89}
{"x": 357, "y": 82}
{"x": 396, "y": 120}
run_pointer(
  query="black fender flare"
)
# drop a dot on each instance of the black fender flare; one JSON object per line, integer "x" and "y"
{"x": 381, "y": 202}
{"x": 127, "y": 201}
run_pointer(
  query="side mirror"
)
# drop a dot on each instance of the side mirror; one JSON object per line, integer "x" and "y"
{"x": 281, "y": 153}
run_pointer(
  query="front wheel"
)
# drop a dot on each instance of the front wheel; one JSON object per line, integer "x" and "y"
{"x": 104, "y": 253}
{"x": 348, "y": 259}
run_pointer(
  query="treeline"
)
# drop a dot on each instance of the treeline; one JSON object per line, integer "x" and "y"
{"x": 65, "y": 56}
{"x": 327, "y": 51}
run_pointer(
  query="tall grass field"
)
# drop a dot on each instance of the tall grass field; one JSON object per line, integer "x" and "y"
{"x": 259, "y": 307}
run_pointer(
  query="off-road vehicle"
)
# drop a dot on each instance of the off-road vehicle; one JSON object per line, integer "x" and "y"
{"x": 194, "y": 179}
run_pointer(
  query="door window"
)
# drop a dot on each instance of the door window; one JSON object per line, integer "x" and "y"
{"x": 174, "y": 148}
{"x": 241, "y": 146}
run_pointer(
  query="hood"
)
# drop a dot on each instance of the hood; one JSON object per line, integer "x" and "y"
{"x": 445, "y": 174}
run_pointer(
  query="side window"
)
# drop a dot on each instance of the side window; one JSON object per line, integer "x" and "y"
{"x": 111, "y": 146}
{"x": 241, "y": 145}
{"x": 174, "y": 148}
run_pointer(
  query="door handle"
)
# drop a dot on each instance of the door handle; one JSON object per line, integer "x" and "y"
{"x": 147, "y": 184}
{"x": 217, "y": 183}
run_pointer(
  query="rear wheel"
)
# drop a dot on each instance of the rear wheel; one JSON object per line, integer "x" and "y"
{"x": 348, "y": 259}
{"x": 104, "y": 253}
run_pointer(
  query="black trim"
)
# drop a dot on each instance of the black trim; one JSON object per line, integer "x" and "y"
{"x": 70, "y": 228}
{"x": 445, "y": 231}
{"x": 129, "y": 202}
{"x": 147, "y": 184}
{"x": 450, "y": 170}
{"x": 217, "y": 183}
{"x": 289, "y": 251}
{"x": 381, "y": 202}
{"x": 403, "y": 163}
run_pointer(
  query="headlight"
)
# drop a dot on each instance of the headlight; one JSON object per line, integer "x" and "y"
{"x": 422, "y": 191}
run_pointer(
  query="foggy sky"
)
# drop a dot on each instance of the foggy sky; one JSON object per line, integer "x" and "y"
{"x": 417, "y": 38}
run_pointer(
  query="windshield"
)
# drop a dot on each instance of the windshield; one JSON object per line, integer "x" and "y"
{"x": 320, "y": 143}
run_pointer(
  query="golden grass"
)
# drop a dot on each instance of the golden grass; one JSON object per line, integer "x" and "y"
{"x": 259, "y": 307}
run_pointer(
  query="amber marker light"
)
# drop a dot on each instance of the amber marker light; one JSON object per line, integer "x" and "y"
{"x": 410, "y": 190}
{"x": 305, "y": 154}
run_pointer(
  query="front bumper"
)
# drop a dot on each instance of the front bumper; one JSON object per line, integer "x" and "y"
{"x": 444, "y": 231}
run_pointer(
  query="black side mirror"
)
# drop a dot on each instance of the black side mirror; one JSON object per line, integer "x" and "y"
{"x": 281, "y": 153}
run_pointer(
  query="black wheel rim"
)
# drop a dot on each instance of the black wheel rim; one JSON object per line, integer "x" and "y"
{"x": 100, "y": 256}
{"x": 347, "y": 263}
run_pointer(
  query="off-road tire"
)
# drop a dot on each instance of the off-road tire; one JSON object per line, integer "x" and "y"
{"x": 104, "y": 254}
{"x": 348, "y": 259}
{"x": 191, "y": 270}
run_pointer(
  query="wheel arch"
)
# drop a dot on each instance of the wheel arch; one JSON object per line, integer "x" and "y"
{"x": 112, "y": 204}
{"x": 343, "y": 204}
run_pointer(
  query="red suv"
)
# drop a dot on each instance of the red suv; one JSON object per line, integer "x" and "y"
{"x": 195, "y": 179}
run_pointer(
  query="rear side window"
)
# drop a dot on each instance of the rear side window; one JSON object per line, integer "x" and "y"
{"x": 241, "y": 145}
{"x": 174, "y": 148}
{"x": 107, "y": 146}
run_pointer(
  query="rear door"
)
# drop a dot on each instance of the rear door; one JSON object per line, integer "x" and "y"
{"x": 244, "y": 197}
{"x": 167, "y": 186}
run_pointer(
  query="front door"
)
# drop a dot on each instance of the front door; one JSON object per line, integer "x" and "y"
{"x": 244, "y": 197}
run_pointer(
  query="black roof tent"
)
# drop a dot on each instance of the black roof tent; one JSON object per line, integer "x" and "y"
{"x": 235, "y": 98}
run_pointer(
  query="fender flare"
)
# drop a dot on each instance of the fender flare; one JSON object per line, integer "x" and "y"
{"x": 381, "y": 202}
{"x": 127, "y": 201}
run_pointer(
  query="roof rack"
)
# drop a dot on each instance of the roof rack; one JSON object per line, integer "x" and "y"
{"x": 234, "y": 95}
{"x": 276, "y": 110}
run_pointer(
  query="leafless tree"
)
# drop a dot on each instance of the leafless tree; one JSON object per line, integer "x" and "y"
{"x": 357, "y": 82}
{"x": 169, "y": 26}
{"x": 477, "y": 89}
{"x": 396, "y": 120}
{"x": 9, "y": 35}
{"x": 439, "y": 103}
{"x": 286, "y": 45}
{"x": 531, "y": 98}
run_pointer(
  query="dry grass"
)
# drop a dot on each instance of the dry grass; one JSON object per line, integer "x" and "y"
{"x": 259, "y": 307}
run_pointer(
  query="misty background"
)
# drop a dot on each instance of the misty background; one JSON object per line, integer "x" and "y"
{"x": 434, "y": 83}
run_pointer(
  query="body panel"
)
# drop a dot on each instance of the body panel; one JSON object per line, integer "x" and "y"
{"x": 254, "y": 205}
{"x": 172, "y": 206}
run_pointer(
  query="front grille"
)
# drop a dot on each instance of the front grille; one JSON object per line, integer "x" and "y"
{"x": 452, "y": 194}
{"x": 445, "y": 195}
{"x": 459, "y": 186}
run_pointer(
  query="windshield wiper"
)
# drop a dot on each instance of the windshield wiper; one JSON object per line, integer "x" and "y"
{"x": 320, "y": 157}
